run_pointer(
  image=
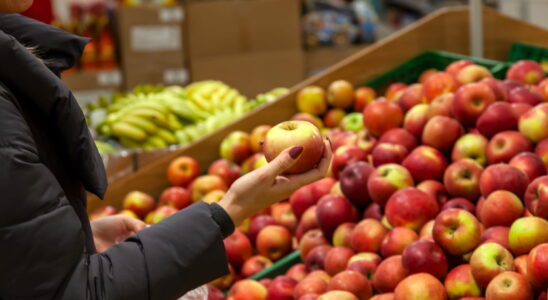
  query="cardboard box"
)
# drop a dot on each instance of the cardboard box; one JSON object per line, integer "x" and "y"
{"x": 224, "y": 27}
{"x": 252, "y": 73}
{"x": 152, "y": 47}
{"x": 87, "y": 86}
{"x": 321, "y": 58}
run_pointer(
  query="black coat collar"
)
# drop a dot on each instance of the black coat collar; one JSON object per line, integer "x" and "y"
{"x": 31, "y": 81}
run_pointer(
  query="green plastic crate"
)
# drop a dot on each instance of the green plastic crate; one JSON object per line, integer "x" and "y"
{"x": 521, "y": 51}
{"x": 280, "y": 267}
{"x": 411, "y": 70}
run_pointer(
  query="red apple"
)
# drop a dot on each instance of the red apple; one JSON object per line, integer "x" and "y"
{"x": 472, "y": 73}
{"x": 442, "y": 106}
{"x": 381, "y": 115}
{"x": 394, "y": 90}
{"x": 471, "y": 100}
{"x": 520, "y": 109}
{"x": 223, "y": 283}
{"x": 301, "y": 200}
{"x": 333, "y": 210}
{"x": 247, "y": 289}
{"x": 311, "y": 240}
{"x": 373, "y": 211}
{"x": 352, "y": 282}
{"x": 455, "y": 67}
{"x": 501, "y": 92}
{"x": 435, "y": 189}
{"x": 399, "y": 136}
{"x": 345, "y": 156}
{"x": 439, "y": 84}
{"x": 415, "y": 119}
{"x": 336, "y": 259}
{"x": 425, "y": 163}
{"x": 457, "y": 231}
{"x": 499, "y": 116}
{"x": 274, "y": 242}
{"x": 281, "y": 288}
{"x": 385, "y": 153}
{"x": 297, "y": 272}
{"x": 505, "y": 145}
{"x": 257, "y": 224}
{"x": 501, "y": 208}
{"x": 368, "y": 235}
{"x": 353, "y": 181}
{"x": 364, "y": 267}
{"x": 236, "y": 146}
{"x": 139, "y": 203}
{"x": 338, "y": 295}
{"x": 385, "y": 296}
{"x": 530, "y": 164}
{"x": 503, "y": 177}
{"x": 461, "y": 203}
{"x": 441, "y": 132}
{"x": 238, "y": 248}
{"x": 526, "y": 233}
{"x": 523, "y": 95}
{"x": 105, "y": 211}
{"x": 397, "y": 240}
{"x": 521, "y": 264}
{"x": 365, "y": 141}
{"x": 526, "y": 71}
{"x": 333, "y": 117}
{"x": 363, "y": 96}
{"x": 496, "y": 234}
{"x": 159, "y": 214}
{"x": 257, "y": 136}
{"x": 536, "y": 197}
{"x": 489, "y": 260}
{"x": 425, "y": 234}
{"x": 321, "y": 274}
{"x": 420, "y": 286}
{"x": 542, "y": 151}
{"x": 315, "y": 259}
{"x": 411, "y": 96}
{"x": 176, "y": 196}
{"x": 182, "y": 170}
{"x": 534, "y": 123}
{"x": 309, "y": 286}
{"x": 411, "y": 208}
{"x": 386, "y": 180}
{"x": 537, "y": 266}
{"x": 389, "y": 273}
{"x": 343, "y": 234}
{"x": 306, "y": 117}
{"x": 281, "y": 212}
{"x": 460, "y": 283}
{"x": 255, "y": 265}
{"x": 462, "y": 179}
{"x": 204, "y": 184}
{"x": 295, "y": 133}
{"x": 308, "y": 222}
{"x": 473, "y": 146}
{"x": 509, "y": 285}
{"x": 340, "y": 93}
{"x": 425, "y": 257}
{"x": 312, "y": 296}
{"x": 226, "y": 169}
{"x": 312, "y": 100}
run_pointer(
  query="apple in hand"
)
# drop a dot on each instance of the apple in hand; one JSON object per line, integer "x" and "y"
{"x": 368, "y": 235}
{"x": 226, "y": 169}
{"x": 415, "y": 119}
{"x": 312, "y": 100}
{"x": 340, "y": 94}
{"x": 457, "y": 231}
{"x": 425, "y": 163}
{"x": 489, "y": 260}
{"x": 530, "y": 164}
{"x": 505, "y": 145}
{"x": 399, "y": 136}
{"x": 353, "y": 181}
{"x": 460, "y": 283}
{"x": 254, "y": 265}
{"x": 389, "y": 273}
{"x": 537, "y": 266}
{"x": 139, "y": 203}
{"x": 420, "y": 286}
{"x": 204, "y": 184}
{"x": 439, "y": 84}
{"x": 238, "y": 248}
{"x": 182, "y": 170}
{"x": 503, "y": 177}
{"x": 462, "y": 178}
{"x": 509, "y": 285}
{"x": 526, "y": 71}
{"x": 386, "y": 180}
{"x": 471, "y": 100}
{"x": 333, "y": 210}
{"x": 526, "y": 233}
{"x": 336, "y": 259}
{"x": 536, "y": 197}
{"x": 274, "y": 242}
{"x": 381, "y": 115}
{"x": 472, "y": 146}
{"x": 352, "y": 282}
{"x": 501, "y": 208}
{"x": 247, "y": 289}
{"x": 499, "y": 116}
{"x": 385, "y": 153}
{"x": 411, "y": 208}
{"x": 534, "y": 123}
{"x": 425, "y": 257}
{"x": 295, "y": 133}
{"x": 397, "y": 240}
{"x": 175, "y": 196}
{"x": 363, "y": 96}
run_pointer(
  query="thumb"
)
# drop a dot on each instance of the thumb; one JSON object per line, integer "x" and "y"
{"x": 284, "y": 161}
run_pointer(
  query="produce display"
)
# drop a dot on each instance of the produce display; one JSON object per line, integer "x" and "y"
{"x": 153, "y": 117}
{"x": 437, "y": 190}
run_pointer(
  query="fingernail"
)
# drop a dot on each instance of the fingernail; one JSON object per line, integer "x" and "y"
{"x": 295, "y": 151}
{"x": 261, "y": 143}
{"x": 329, "y": 140}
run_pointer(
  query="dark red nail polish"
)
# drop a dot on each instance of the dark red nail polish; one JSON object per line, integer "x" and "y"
{"x": 295, "y": 151}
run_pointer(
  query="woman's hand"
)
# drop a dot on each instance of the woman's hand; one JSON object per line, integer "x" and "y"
{"x": 111, "y": 230}
{"x": 265, "y": 186}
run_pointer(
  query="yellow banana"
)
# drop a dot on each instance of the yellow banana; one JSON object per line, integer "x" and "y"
{"x": 156, "y": 142}
{"x": 152, "y": 115}
{"x": 173, "y": 122}
{"x": 142, "y": 123}
{"x": 167, "y": 136}
{"x": 127, "y": 142}
{"x": 123, "y": 129}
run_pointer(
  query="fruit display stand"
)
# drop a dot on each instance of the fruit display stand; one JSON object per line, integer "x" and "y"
{"x": 445, "y": 30}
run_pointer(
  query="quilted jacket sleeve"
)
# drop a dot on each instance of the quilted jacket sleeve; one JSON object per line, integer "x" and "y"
{"x": 41, "y": 241}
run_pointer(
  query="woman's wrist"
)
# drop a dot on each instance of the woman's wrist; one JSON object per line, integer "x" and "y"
{"x": 234, "y": 211}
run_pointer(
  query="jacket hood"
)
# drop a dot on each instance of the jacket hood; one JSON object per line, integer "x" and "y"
{"x": 60, "y": 49}
{"x": 32, "y": 82}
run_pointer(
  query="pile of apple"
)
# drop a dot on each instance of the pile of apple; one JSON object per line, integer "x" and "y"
{"x": 438, "y": 192}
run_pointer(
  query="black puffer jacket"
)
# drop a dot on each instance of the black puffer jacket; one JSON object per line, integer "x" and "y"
{"x": 47, "y": 162}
